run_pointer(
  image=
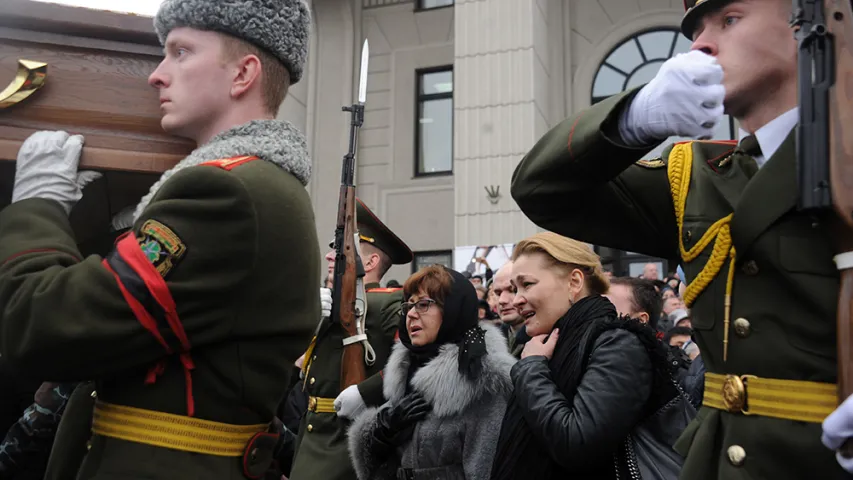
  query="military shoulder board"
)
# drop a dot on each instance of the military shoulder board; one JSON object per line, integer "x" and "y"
{"x": 230, "y": 163}
{"x": 651, "y": 163}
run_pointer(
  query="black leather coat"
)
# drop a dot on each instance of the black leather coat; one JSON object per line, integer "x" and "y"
{"x": 583, "y": 436}
{"x": 624, "y": 417}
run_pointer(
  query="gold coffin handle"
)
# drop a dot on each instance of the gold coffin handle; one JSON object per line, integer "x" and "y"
{"x": 29, "y": 78}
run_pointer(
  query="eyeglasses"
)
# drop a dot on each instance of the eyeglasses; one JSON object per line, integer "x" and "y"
{"x": 421, "y": 306}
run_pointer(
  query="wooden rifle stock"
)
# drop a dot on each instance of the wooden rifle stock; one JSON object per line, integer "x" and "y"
{"x": 840, "y": 27}
{"x": 352, "y": 357}
{"x": 839, "y": 19}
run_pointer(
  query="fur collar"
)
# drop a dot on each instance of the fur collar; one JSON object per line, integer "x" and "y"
{"x": 274, "y": 141}
{"x": 439, "y": 381}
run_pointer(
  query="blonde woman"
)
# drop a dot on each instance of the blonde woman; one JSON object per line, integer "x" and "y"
{"x": 587, "y": 381}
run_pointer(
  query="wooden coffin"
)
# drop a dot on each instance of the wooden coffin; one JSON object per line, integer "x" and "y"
{"x": 96, "y": 84}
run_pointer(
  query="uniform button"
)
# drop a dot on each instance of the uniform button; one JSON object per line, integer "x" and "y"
{"x": 311, "y": 429}
{"x": 311, "y": 381}
{"x": 737, "y": 455}
{"x": 742, "y": 328}
{"x": 688, "y": 235}
{"x": 750, "y": 268}
{"x": 94, "y": 394}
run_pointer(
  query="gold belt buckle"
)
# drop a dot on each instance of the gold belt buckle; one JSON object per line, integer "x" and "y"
{"x": 735, "y": 393}
{"x": 312, "y": 404}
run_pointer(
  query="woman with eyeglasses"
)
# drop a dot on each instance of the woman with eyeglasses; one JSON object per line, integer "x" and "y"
{"x": 587, "y": 381}
{"x": 446, "y": 386}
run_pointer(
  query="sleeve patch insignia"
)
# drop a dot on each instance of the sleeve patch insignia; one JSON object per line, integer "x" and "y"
{"x": 161, "y": 246}
{"x": 651, "y": 163}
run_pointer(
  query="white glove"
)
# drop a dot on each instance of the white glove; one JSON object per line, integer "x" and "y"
{"x": 685, "y": 99}
{"x": 326, "y": 302}
{"x": 837, "y": 428}
{"x": 349, "y": 403}
{"x": 47, "y": 168}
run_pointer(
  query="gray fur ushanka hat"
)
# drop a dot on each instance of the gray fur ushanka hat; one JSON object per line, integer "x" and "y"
{"x": 278, "y": 26}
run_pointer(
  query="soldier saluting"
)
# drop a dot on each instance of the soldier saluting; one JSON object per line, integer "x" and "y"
{"x": 762, "y": 283}
{"x": 190, "y": 324}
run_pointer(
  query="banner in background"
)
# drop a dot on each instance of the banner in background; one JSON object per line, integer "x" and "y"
{"x": 471, "y": 258}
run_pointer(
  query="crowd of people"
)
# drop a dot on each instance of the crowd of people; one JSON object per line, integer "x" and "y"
{"x": 546, "y": 368}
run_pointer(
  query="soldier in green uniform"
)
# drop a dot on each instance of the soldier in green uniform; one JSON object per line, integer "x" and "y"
{"x": 190, "y": 324}
{"x": 322, "y": 450}
{"x": 762, "y": 283}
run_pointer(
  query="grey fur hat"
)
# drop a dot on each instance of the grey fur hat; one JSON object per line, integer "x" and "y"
{"x": 278, "y": 26}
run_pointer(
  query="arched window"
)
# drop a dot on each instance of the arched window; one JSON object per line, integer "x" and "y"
{"x": 636, "y": 61}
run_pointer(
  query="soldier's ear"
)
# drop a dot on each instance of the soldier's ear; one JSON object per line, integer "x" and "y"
{"x": 643, "y": 317}
{"x": 371, "y": 261}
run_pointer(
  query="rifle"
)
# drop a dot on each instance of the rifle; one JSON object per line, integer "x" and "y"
{"x": 824, "y": 32}
{"x": 349, "y": 306}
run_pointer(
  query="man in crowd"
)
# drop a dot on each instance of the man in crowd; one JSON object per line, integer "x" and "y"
{"x": 680, "y": 318}
{"x": 511, "y": 319}
{"x": 727, "y": 213}
{"x": 650, "y": 272}
{"x": 670, "y": 305}
{"x": 322, "y": 451}
{"x": 636, "y": 298}
{"x": 194, "y": 318}
{"x": 677, "y": 336}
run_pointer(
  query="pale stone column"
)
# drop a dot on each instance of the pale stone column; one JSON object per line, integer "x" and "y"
{"x": 501, "y": 96}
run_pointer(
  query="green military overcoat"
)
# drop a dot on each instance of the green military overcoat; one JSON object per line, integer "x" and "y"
{"x": 322, "y": 450}
{"x": 580, "y": 181}
{"x": 228, "y": 244}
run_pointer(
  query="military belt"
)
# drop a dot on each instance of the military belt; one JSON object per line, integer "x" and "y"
{"x": 176, "y": 432}
{"x": 770, "y": 397}
{"x": 321, "y": 405}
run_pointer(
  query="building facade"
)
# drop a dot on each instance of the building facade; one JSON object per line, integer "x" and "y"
{"x": 458, "y": 91}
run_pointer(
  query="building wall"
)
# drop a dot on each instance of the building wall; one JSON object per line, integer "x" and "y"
{"x": 596, "y": 26}
{"x": 523, "y": 66}
{"x": 503, "y": 71}
{"x": 520, "y": 67}
{"x": 419, "y": 210}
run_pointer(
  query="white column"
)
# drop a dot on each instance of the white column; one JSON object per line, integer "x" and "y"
{"x": 501, "y": 93}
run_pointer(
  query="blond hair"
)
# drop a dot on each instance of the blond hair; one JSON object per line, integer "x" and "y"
{"x": 275, "y": 79}
{"x": 566, "y": 254}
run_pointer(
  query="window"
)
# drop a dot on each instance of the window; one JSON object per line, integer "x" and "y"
{"x": 636, "y": 61}
{"x": 425, "y": 259}
{"x": 430, "y": 4}
{"x": 630, "y": 264}
{"x": 434, "y": 129}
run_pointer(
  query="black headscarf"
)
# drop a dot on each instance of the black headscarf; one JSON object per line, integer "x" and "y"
{"x": 518, "y": 454}
{"x": 459, "y": 325}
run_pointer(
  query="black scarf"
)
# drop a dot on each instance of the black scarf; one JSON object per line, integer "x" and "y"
{"x": 459, "y": 325}
{"x": 518, "y": 455}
